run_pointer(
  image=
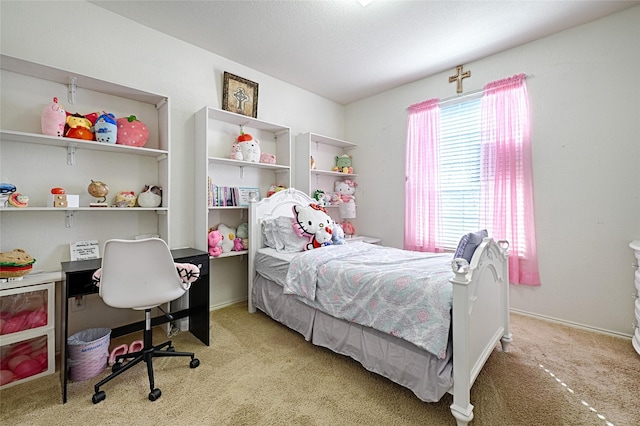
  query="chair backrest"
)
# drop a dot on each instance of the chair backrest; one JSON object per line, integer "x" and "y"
{"x": 138, "y": 274}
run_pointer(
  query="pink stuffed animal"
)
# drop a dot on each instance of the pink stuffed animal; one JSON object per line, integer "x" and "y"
{"x": 237, "y": 244}
{"x": 215, "y": 243}
{"x": 53, "y": 119}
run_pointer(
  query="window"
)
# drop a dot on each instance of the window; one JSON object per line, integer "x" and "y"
{"x": 460, "y": 134}
{"x": 468, "y": 167}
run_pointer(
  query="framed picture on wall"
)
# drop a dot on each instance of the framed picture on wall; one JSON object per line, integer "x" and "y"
{"x": 240, "y": 95}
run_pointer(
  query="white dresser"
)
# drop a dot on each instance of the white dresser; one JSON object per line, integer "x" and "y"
{"x": 635, "y": 245}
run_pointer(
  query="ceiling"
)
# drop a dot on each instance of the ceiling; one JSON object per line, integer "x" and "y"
{"x": 344, "y": 51}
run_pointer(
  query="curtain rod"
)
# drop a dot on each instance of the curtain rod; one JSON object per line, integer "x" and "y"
{"x": 471, "y": 93}
{"x": 468, "y": 94}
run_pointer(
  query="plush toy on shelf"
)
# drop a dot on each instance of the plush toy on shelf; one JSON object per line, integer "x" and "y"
{"x": 243, "y": 233}
{"x": 215, "y": 243}
{"x": 106, "y": 128}
{"x": 343, "y": 164}
{"x": 346, "y": 188}
{"x": 250, "y": 147}
{"x": 53, "y": 119}
{"x": 236, "y": 152}
{"x": 228, "y": 235}
{"x": 79, "y": 126}
{"x": 322, "y": 197}
{"x": 131, "y": 131}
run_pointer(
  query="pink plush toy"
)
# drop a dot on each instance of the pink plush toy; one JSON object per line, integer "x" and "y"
{"x": 237, "y": 244}
{"x": 215, "y": 243}
{"x": 53, "y": 119}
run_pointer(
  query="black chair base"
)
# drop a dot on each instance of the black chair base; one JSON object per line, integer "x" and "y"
{"x": 146, "y": 354}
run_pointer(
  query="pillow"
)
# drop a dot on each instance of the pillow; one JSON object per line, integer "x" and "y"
{"x": 469, "y": 243}
{"x": 279, "y": 234}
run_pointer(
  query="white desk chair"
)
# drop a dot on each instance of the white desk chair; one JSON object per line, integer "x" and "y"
{"x": 141, "y": 275}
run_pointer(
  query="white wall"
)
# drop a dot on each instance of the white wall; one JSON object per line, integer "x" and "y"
{"x": 585, "y": 101}
{"x": 89, "y": 40}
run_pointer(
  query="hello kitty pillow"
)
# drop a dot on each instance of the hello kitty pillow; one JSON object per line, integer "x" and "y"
{"x": 313, "y": 222}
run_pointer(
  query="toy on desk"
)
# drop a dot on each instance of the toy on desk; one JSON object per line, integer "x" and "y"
{"x": 106, "y": 129}
{"x": 99, "y": 190}
{"x": 131, "y": 131}
{"x": 79, "y": 126}
{"x": 150, "y": 196}
{"x": 53, "y": 119}
{"x": 15, "y": 264}
{"x": 215, "y": 243}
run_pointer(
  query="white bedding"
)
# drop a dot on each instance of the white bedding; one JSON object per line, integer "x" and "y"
{"x": 404, "y": 294}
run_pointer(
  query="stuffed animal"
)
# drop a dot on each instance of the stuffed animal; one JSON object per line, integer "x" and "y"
{"x": 228, "y": 235}
{"x": 243, "y": 233}
{"x": 312, "y": 221}
{"x": 53, "y": 119}
{"x": 337, "y": 234}
{"x": 237, "y": 244}
{"x": 343, "y": 164}
{"x": 131, "y": 131}
{"x": 275, "y": 188}
{"x": 79, "y": 126}
{"x": 106, "y": 129}
{"x": 267, "y": 158}
{"x": 346, "y": 188}
{"x": 236, "y": 152}
{"x": 251, "y": 150}
{"x": 16, "y": 263}
{"x": 322, "y": 197}
{"x": 215, "y": 243}
{"x": 348, "y": 228}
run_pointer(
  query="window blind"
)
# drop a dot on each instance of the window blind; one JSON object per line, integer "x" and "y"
{"x": 460, "y": 131}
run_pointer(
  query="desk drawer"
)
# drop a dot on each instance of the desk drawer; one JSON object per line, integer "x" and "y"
{"x": 26, "y": 308}
{"x": 26, "y": 356}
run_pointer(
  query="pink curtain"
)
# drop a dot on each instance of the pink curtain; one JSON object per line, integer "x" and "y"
{"x": 422, "y": 230}
{"x": 507, "y": 193}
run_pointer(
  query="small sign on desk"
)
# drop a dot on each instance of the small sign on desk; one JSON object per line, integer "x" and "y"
{"x": 84, "y": 250}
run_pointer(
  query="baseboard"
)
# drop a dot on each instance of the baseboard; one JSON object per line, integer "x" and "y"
{"x": 226, "y": 303}
{"x": 572, "y": 324}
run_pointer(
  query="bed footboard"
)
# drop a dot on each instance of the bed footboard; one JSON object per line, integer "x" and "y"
{"x": 480, "y": 318}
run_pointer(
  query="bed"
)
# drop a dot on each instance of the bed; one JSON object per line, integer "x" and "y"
{"x": 476, "y": 293}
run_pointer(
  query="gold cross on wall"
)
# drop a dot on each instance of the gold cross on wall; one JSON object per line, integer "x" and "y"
{"x": 458, "y": 77}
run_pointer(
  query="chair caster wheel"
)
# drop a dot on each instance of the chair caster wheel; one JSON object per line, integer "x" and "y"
{"x": 98, "y": 396}
{"x": 115, "y": 367}
{"x": 155, "y": 394}
{"x": 194, "y": 363}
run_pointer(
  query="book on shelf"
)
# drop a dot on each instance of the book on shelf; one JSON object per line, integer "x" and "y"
{"x": 230, "y": 196}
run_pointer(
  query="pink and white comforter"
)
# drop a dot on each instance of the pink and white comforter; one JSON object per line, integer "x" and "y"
{"x": 403, "y": 293}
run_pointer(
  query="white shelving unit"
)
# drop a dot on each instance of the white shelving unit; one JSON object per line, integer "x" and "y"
{"x": 35, "y": 163}
{"x": 324, "y": 151}
{"x": 216, "y": 131}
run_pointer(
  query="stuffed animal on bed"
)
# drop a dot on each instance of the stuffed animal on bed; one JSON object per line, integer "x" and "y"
{"x": 337, "y": 234}
{"x": 228, "y": 235}
{"x": 313, "y": 222}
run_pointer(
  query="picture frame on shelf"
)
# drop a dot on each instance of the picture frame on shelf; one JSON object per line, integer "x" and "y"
{"x": 239, "y": 95}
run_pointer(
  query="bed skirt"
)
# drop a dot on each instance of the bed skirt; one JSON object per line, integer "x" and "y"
{"x": 428, "y": 377}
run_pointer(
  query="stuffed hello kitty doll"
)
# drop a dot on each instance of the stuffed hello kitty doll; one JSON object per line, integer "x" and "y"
{"x": 312, "y": 221}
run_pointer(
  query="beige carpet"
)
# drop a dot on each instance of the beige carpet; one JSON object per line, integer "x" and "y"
{"x": 257, "y": 372}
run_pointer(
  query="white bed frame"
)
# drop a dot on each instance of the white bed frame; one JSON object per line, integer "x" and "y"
{"x": 480, "y": 299}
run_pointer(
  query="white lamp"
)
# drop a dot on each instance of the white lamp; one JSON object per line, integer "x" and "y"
{"x": 347, "y": 211}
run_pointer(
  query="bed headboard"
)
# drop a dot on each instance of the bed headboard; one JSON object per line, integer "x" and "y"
{"x": 279, "y": 204}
